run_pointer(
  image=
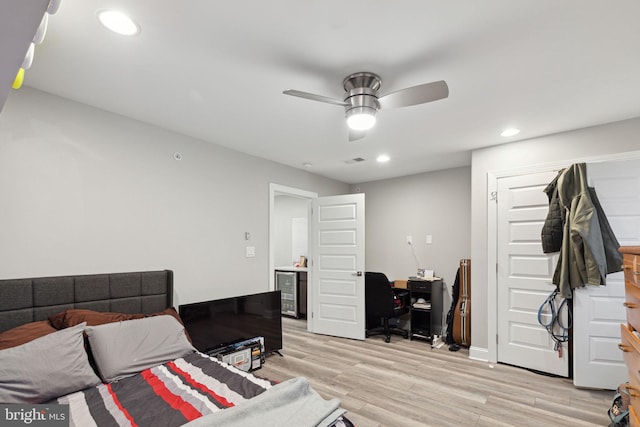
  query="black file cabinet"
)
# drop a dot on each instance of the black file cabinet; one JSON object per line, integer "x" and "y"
{"x": 426, "y": 318}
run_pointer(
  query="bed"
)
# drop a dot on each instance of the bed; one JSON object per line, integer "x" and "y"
{"x": 112, "y": 350}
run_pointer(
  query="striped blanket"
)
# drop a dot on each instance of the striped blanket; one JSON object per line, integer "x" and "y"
{"x": 170, "y": 394}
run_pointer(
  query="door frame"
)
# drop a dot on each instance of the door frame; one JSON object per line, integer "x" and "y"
{"x": 492, "y": 238}
{"x": 278, "y": 189}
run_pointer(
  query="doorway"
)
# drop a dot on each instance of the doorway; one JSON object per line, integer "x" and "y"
{"x": 289, "y": 218}
{"x": 335, "y": 283}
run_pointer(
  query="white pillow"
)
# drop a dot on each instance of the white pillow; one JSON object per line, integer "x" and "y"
{"x": 46, "y": 368}
{"x": 121, "y": 349}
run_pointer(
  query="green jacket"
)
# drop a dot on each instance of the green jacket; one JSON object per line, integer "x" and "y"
{"x": 589, "y": 248}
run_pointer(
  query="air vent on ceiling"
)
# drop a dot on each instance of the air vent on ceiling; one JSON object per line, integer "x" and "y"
{"x": 356, "y": 160}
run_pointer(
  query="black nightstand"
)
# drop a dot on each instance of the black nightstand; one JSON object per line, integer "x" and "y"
{"x": 426, "y": 318}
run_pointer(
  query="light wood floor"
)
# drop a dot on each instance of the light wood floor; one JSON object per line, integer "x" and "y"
{"x": 406, "y": 383}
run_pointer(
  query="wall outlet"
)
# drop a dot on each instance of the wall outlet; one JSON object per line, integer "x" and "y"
{"x": 250, "y": 251}
{"x": 429, "y": 239}
{"x": 410, "y": 240}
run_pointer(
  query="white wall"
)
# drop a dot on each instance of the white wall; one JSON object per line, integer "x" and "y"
{"x": 434, "y": 203}
{"x": 286, "y": 209}
{"x": 565, "y": 148}
{"x": 86, "y": 191}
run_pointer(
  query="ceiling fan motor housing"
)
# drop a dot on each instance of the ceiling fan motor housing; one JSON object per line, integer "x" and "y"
{"x": 362, "y": 93}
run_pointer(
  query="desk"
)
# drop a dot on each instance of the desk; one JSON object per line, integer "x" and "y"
{"x": 426, "y": 319}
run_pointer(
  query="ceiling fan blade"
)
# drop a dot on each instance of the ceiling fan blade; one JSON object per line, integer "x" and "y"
{"x": 414, "y": 95}
{"x": 355, "y": 135}
{"x": 315, "y": 97}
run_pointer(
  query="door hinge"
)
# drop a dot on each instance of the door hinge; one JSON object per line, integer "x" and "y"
{"x": 493, "y": 196}
{"x": 497, "y": 339}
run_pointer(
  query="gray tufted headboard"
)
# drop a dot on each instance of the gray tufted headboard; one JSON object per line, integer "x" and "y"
{"x": 29, "y": 300}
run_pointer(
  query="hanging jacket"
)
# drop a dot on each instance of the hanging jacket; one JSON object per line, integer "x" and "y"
{"x": 552, "y": 228}
{"x": 611, "y": 245}
{"x": 584, "y": 259}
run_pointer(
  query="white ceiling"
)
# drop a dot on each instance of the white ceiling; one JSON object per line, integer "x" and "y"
{"x": 216, "y": 71}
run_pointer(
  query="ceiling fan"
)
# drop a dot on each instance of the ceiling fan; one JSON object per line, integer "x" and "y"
{"x": 362, "y": 100}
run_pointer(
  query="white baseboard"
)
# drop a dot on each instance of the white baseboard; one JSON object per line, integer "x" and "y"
{"x": 479, "y": 353}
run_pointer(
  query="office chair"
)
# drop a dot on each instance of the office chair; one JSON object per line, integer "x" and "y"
{"x": 380, "y": 304}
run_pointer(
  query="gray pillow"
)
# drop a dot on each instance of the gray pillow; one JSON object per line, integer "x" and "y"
{"x": 45, "y": 368}
{"x": 121, "y": 349}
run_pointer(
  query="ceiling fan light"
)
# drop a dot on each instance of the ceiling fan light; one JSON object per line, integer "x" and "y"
{"x": 361, "y": 118}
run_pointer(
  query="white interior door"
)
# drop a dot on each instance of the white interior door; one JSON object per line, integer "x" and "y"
{"x": 337, "y": 246}
{"x": 524, "y": 275}
{"x": 598, "y": 310}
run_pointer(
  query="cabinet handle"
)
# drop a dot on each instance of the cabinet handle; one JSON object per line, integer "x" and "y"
{"x": 624, "y": 348}
{"x": 630, "y": 304}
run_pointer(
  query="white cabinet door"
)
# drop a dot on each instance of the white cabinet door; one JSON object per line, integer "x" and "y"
{"x": 524, "y": 275}
{"x": 598, "y": 310}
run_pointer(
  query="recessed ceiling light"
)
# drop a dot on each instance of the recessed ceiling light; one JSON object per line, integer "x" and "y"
{"x": 510, "y": 132}
{"x": 383, "y": 158}
{"x": 118, "y": 22}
